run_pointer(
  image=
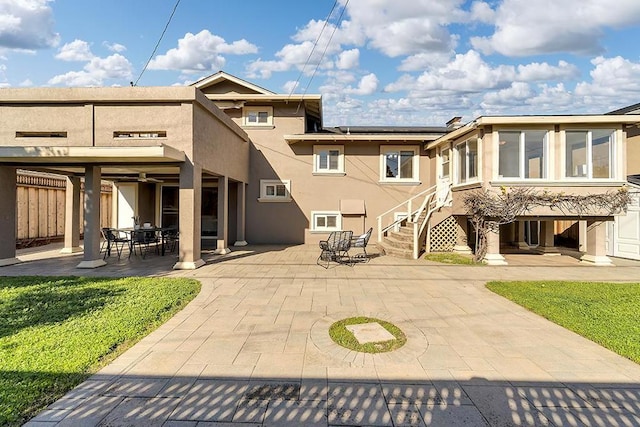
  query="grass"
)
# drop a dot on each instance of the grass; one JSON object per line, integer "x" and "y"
{"x": 342, "y": 336}
{"x": 606, "y": 313}
{"x": 56, "y": 331}
{"x": 451, "y": 258}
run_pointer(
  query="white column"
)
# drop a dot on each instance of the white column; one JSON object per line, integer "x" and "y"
{"x": 596, "y": 244}
{"x": 493, "y": 256}
{"x": 547, "y": 234}
{"x": 92, "y": 258}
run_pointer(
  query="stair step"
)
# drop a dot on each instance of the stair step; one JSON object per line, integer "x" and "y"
{"x": 393, "y": 251}
{"x": 393, "y": 241}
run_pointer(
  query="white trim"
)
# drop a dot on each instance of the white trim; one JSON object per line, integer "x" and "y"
{"x": 315, "y": 214}
{"x": 415, "y": 164}
{"x": 456, "y": 155}
{"x": 257, "y": 110}
{"x": 327, "y": 171}
{"x": 266, "y": 183}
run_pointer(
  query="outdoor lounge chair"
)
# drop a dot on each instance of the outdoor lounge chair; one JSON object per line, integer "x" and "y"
{"x": 335, "y": 249}
{"x": 361, "y": 242}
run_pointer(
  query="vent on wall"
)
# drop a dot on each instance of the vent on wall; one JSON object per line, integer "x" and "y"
{"x": 140, "y": 134}
{"x": 24, "y": 134}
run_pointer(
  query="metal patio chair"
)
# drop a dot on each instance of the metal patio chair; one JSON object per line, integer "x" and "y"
{"x": 113, "y": 239}
{"x": 335, "y": 249}
{"x": 361, "y": 243}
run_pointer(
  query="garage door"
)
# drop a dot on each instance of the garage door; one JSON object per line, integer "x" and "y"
{"x": 625, "y": 232}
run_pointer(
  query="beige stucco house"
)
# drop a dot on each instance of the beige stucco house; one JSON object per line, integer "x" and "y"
{"x": 229, "y": 162}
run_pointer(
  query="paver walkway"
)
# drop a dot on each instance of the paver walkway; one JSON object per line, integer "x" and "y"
{"x": 252, "y": 348}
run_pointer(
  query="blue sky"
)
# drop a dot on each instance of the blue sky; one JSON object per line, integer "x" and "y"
{"x": 376, "y": 62}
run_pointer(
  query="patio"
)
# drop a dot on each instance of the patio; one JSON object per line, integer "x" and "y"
{"x": 252, "y": 348}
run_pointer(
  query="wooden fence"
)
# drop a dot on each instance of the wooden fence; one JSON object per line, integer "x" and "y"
{"x": 40, "y": 208}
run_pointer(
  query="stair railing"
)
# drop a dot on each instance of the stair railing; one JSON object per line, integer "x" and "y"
{"x": 406, "y": 206}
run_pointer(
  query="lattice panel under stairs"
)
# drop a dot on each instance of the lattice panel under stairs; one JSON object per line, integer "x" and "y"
{"x": 443, "y": 235}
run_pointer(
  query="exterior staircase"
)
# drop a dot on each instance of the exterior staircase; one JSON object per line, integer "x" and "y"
{"x": 409, "y": 237}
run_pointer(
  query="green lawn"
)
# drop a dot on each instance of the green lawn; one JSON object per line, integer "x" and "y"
{"x": 451, "y": 258}
{"x": 56, "y": 331}
{"x": 345, "y": 338}
{"x": 607, "y": 313}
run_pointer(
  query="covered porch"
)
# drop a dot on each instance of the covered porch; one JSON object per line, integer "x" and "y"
{"x": 154, "y": 184}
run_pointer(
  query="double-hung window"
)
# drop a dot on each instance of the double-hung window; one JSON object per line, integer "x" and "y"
{"x": 399, "y": 164}
{"x": 467, "y": 161}
{"x": 590, "y": 153}
{"x": 273, "y": 190}
{"x": 328, "y": 159}
{"x": 522, "y": 154}
{"x": 326, "y": 221}
{"x": 257, "y": 116}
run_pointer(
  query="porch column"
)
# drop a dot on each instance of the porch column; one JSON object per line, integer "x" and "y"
{"x": 223, "y": 216}
{"x": 582, "y": 236}
{"x": 521, "y": 242}
{"x": 546, "y": 246}
{"x": 72, "y": 216}
{"x": 596, "y": 244}
{"x": 462, "y": 236}
{"x": 92, "y": 258}
{"x": 190, "y": 225}
{"x": 493, "y": 256}
{"x": 240, "y": 215}
{"x": 8, "y": 195}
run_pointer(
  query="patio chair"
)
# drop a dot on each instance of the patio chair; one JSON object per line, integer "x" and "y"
{"x": 172, "y": 238}
{"x": 361, "y": 242}
{"x": 113, "y": 239}
{"x": 335, "y": 248}
{"x": 143, "y": 239}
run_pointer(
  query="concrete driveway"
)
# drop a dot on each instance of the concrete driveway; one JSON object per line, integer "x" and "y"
{"x": 253, "y": 348}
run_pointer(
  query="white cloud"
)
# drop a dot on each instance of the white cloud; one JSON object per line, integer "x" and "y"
{"x": 27, "y": 25}
{"x": 114, "y": 47}
{"x": 26, "y": 83}
{"x": 348, "y": 59}
{"x": 466, "y": 73}
{"x": 77, "y": 50}
{"x": 543, "y": 71}
{"x": 200, "y": 52}
{"x": 615, "y": 82}
{"x": 536, "y": 27}
{"x": 96, "y": 72}
{"x": 482, "y": 12}
{"x": 290, "y": 86}
{"x": 422, "y": 61}
{"x": 367, "y": 86}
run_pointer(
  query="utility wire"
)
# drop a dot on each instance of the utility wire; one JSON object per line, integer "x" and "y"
{"x": 157, "y": 44}
{"x": 335, "y": 28}
{"x": 315, "y": 44}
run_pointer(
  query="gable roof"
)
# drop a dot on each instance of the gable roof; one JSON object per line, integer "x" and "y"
{"x": 221, "y": 76}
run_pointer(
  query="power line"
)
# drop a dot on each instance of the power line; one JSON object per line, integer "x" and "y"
{"x": 157, "y": 44}
{"x": 315, "y": 44}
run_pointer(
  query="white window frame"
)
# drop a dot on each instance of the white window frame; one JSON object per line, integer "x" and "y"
{"x": 317, "y": 149}
{"x": 415, "y": 179}
{"x": 456, "y": 172}
{"x": 589, "y": 154}
{"x": 248, "y": 110}
{"x": 266, "y": 183}
{"x": 316, "y": 214}
{"x": 441, "y": 163}
{"x": 521, "y": 151}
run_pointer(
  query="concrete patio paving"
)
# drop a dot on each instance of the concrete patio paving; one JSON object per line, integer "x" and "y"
{"x": 253, "y": 349}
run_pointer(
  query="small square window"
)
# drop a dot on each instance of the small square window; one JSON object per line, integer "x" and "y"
{"x": 328, "y": 159}
{"x": 275, "y": 190}
{"x": 258, "y": 116}
{"x": 326, "y": 221}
